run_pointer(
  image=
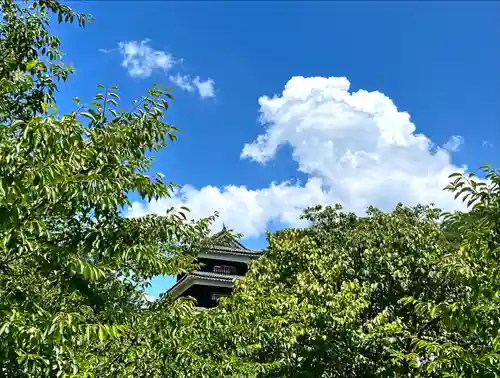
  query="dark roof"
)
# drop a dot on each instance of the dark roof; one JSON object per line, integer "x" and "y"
{"x": 224, "y": 242}
{"x": 225, "y": 238}
{"x": 215, "y": 276}
{"x": 207, "y": 276}
{"x": 234, "y": 251}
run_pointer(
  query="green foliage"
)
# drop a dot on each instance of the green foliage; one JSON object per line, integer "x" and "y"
{"x": 399, "y": 294}
{"x": 410, "y": 293}
{"x": 31, "y": 62}
{"x": 73, "y": 269}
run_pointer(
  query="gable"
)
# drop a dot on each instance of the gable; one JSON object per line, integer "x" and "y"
{"x": 224, "y": 239}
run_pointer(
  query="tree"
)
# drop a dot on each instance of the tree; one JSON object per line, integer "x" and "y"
{"x": 410, "y": 293}
{"x": 31, "y": 60}
{"x": 413, "y": 292}
{"x": 73, "y": 268}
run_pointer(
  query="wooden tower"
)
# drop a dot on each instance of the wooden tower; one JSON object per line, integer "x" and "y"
{"x": 222, "y": 264}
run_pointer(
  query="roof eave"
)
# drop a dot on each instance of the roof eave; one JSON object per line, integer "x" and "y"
{"x": 195, "y": 279}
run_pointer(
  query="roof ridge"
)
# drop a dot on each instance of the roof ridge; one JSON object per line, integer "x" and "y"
{"x": 213, "y": 274}
{"x": 232, "y": 249}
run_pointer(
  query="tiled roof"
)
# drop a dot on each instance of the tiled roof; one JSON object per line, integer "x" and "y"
{"x": 224, "y": 242}
{"x": 208, "y": 276}
{"x": 216, "y": 276}
{"x": 233, "y": 251}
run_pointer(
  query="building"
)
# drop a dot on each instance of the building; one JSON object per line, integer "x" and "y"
{"x": 222, "y": 264}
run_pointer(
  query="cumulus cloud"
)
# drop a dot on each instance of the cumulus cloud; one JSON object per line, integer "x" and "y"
{"x": 357, "y": 148}
{"x": 205, "y": 88}
{"x": 453, "y": 144}
{"x": 244, "y": 210}
{"x": 141, "y": 60}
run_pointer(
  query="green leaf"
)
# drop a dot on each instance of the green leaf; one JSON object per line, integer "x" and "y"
{"x": 112, "y": 101}
{"x": 18, "y": 123}
{"x": 87, "y": 273}
{"x": 89, "y": 116}
{"x": 101, "y": 334}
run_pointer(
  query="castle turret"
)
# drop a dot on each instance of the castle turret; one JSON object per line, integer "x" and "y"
{"x": 222, "y": 264}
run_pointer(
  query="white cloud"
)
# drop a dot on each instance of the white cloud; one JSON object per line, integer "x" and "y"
{"x": 453, "y": 144}
{"x": 205, "y": 88}
{"x": 356, "y": 148}
{"x": 106, "y": 51}
{"x": 486, "y": 143}
{"x": 141, "y": 60}
{"x": 242, "y": 209}
{"x": 183, "y": 82}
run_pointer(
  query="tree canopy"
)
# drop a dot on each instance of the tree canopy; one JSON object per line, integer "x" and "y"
{"x": 413, "y": 292}
{"x": 73, "y": 268}
{"x": 410, "y": 293}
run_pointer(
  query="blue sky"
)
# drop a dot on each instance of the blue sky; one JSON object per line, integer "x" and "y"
{"x": 367, "y": 103}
